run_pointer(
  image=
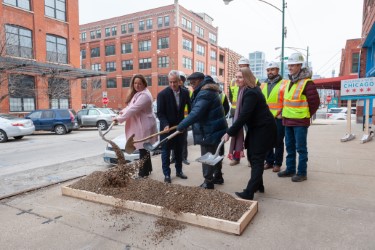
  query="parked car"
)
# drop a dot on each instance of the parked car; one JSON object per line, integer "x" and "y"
{"x": 340, "y": 113}
{"x": 110, "y": 155}
{"x": 13, "y": 126}
{"x": 60, "y": 121}
{"x": 95, "y": 117}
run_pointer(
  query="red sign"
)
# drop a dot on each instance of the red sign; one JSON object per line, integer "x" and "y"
{"x": 105, "y": 100}
{"x": 329, "y": 98}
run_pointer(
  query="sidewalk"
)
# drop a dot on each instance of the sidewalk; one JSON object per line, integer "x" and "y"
{"x": 333, "y": 209}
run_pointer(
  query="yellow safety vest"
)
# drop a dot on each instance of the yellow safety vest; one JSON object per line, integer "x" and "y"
{"x": 276, "y": 97}
{"x": 186, "y": 110}
{"x": 222, "y": 96}
{"x": 234, "y": 89}
{"x": 295, "y": 103}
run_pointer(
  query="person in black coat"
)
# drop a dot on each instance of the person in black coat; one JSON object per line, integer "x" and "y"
{"x": 261, "y": 135}
{"x": 170, "y": 110}
{"x": 208, "y": 123}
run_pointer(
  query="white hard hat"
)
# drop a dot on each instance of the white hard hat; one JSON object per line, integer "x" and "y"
{"x": 215, "y": 78}
{"x": 244, "y": 60}
{"x": 182, "y": 75}
{"x": 271, "y": 65}
{"x": 295, "y": 58}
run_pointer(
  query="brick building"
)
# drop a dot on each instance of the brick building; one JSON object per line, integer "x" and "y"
{"x": 150, "y": 42}
{"x": 39, "y": 60}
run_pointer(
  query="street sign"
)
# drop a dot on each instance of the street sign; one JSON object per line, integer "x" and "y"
{"x": 356, "y": 87}
{"x": 329, "y": 98}
{"x": 105, "y": 100}
{"x": 104, "y": 94}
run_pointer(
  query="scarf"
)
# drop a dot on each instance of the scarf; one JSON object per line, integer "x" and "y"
{"x": 237, "y": 142}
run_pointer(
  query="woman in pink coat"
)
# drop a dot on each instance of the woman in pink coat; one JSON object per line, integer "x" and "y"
{"x": 139, "y": 119}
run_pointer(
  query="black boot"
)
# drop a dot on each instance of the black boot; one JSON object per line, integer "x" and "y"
{"x": 218, "y": 179}
{"x": 207, "y": 184}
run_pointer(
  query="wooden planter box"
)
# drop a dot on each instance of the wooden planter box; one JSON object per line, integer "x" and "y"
{"x": 199, "y": 220}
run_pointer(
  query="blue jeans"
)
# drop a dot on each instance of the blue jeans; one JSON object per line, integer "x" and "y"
{"x": 296, "y": 141}
{"x": 275, "y": 156}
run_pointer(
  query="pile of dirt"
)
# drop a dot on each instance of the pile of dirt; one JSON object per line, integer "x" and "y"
{"x": 174, "y": 197}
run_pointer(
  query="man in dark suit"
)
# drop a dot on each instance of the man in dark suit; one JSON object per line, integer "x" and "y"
{"x": 170, "y": 110}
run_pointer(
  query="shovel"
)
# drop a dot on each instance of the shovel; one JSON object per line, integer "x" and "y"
{"x": 105, "y": 132}
{"x": 129, "y": 146}
{"x": 151, "y": 147}
{"x": 210, "y": 159}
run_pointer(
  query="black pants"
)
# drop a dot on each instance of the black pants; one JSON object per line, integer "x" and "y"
{"x": 146, "y": 169}
{"x": 210, "y": 171}
{"x": 257, "y": 168}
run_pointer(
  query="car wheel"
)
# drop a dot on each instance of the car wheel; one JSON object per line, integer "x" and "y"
{"x": 60, "y": 130}
{"x": 3, "y": 136}
{"x": 102, "y": 125}
{"x": 18, "y": 137}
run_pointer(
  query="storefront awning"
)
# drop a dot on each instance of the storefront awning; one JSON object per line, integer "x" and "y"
{"x": 25, "y": 66}
{"x": 332, "y": 82}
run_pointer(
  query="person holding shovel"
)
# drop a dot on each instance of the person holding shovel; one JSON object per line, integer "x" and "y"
{"x": 170, "y": 110}
{"x": 140, "y": 119}
{"x": 253, "y": 112}
{"x": 208, "y": 123}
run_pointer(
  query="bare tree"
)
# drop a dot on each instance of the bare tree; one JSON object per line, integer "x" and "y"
{"x": 91, "y": 91}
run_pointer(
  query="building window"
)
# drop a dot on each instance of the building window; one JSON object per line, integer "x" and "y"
{"x": 141, "y": 25}
{"x": 56, "y": 49}
{"x": 144, "y": 45}
{"x": 145, "y": 63}
{"x": 213, "y": 54}
{"x": 83, "y": 84}
{"x": 163, "y": 43}
{"x": 23, "y": 4}
{"x": 199, "y": 31}
{"x": 127, "y": 65}
{"x": 200, "y": 66}
{"x": 98, "y": 33}
{"x": 187, "y": 63}
{"x": 183, "y": 22}
{"x": 212, "y": 37}
{"x": 126, "y": 48}
{"x": 213, "y": 70}
{"x": 83, "y": 36}
{"x": 166, "y": 21}
{"x": 149, "y": 24}
{"x": 18, "y": 41}
{"x": 96, "y": 84}
{"x": 21, "y": 93}
{"x": 55, "y": 9}
{"x": 163, "y": 62}
{"x": 96, "y": 67}
{"x": 148, "y": 80}
{"x": 83, "y": 54}
{"x": 126, "y": 82}
{"x": 59, "y": 92}
{"x": 221, "y": 58}
{"x": 110, "y": 66}
{"x": 95, "y": 52}
{"x": 187, "y": 44}
{"x": 355, "y": 62}
{"x": 131, "y": 27}
{"x": 200, "y": 50}
{"x": 160, "y": 22}
{"x": 110, "y": 50}
{"x": 221, "y": 72}
{"x": 163, "y": 80}
{"x": 189, "y": 25}
{"x": 123, "y": 29}
{"x": 111, "y": 83}
{"x": 92, "y": 34}
{"x": 114, "y": 31}
{"x": 107, "y": 32}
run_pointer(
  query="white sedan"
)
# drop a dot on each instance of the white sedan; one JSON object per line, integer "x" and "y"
{"x": 12, "y": 126}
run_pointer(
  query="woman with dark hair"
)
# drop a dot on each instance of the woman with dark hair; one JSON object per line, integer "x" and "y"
{"x": 139, "y": 119}
{"x": 261, "y": 135}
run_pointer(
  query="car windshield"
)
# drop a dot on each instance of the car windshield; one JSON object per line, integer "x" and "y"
{"x": 9, "y": 117}
{"x": 334, "y": 110}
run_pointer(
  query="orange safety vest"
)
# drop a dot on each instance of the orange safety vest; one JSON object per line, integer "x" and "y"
{"x": 276, "y": 97}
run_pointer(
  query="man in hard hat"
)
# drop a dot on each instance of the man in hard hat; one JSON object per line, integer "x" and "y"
{"x": 301, "y": 101}
{"x": 273, "y": 90}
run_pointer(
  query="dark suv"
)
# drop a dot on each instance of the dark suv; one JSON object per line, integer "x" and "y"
{"x": 60, "y": 121}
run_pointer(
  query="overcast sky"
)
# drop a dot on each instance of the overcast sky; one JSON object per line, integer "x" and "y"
{"x": 250, "y": 25}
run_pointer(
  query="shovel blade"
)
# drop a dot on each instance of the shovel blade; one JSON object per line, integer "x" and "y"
{"x": 129, "y": 146}
{"x": 149, "y": 147}
{"x": 209, "y": 159}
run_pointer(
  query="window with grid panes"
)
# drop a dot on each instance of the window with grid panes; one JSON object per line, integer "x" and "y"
{"x": 163, "y": 43}
{"x": 144, "y": 45}
{"x": 123, "y": 29}
{"x": 187, "y": 63}
{"x": 166, "y": 21}
{"x": 213, "y": 70}
{"x": 110, "y": 66}
{"x": 149, "y": 24}
{"x": 145, "y": 63}
{"x": 200, "y": 50}
{"x": 23, "y": 4}
{"x": 98, "y": 33}
{"x": 107, "y": 32}
{"x": 95, "y": 52}
{"x": 213, "y": 54}
{"x": 160, "y": 22}
{"x": 187, "y": 44}
{"x": 114, "y": 31}
{"x": 163, "y": 80}
{"x": 18, "y": 41}
{"x": 110, "y": 50}
{"x": 111, "y": 83}
{"x": 163, "y": 62}
{"x": 83, "y": 36}
{"x": 126, "y": 82}
{"x": 83, "y": 53}
{"x": 92, "y": 34}
{"x": 149, "y": 80}
{"x": 126, "y": 48}
{"x": 200, "y": 66}
{"x": 141, "y": 25}
{"x": 55, "y": 9}
{"x": 96, "y": 67}
{"x": 57, "y": 50}
{"x": 127, "y": 65}
{"x": 131, "y": 27}
{"x": 21, "y": 93}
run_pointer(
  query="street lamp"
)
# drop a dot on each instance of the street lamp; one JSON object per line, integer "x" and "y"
{"x": 283, "y": 29}
{"x": 297, "y": 49}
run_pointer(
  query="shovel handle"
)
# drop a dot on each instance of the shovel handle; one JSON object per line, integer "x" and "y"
{"x": 159, "y": 133}
{"x": 218, "y": 148}
{"x": 109, "y": 128}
